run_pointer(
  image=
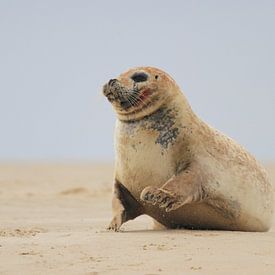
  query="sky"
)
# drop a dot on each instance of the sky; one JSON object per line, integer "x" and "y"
{"x": 55, "y": 57}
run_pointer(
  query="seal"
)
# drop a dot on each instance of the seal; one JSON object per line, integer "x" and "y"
{"x": 174, "y": 167}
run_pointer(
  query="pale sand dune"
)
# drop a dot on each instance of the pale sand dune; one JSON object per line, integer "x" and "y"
{"x": 53, "y": 220}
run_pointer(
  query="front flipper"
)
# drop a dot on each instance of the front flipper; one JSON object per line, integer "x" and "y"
{"x": 163, "y": 199}
{"x": 186, "y": 187}
{"x": 125, "y": 207}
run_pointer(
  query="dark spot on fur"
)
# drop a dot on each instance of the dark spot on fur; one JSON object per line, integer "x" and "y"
{"x": 163, "y": 121}
{"x": 156, "y": 76}
{"x": 134, "y": 147}
{"x": 182, "y": 166}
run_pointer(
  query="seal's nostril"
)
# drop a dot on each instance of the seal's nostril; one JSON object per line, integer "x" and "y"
{"x": 112, "y": 81}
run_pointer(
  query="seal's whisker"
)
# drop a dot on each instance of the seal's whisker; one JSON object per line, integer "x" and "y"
{"x": 136, "y": 93}
{"x": 125, "y": 95}
{"x": 139, "y": 100}
{"x": 134, "y": 99}
{"x": 128, "y": 99}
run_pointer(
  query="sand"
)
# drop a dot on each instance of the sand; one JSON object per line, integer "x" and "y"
{"x": 53, "y": 220}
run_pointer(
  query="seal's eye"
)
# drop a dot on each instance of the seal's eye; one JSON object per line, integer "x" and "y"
{"x": 139, "y": 77}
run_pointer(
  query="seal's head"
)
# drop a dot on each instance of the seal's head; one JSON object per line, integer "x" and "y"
{"x": 139, "y": 92}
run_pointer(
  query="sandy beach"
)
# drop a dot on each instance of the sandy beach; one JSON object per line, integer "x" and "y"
{"x": 53, "y": 220}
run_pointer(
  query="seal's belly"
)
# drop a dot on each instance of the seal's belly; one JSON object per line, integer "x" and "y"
{"x": 195, "y": 216}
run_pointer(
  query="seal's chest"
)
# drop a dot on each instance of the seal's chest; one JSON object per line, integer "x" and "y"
{"x": 140, "y": 160}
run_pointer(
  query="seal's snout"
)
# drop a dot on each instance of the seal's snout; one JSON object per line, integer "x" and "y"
{"x": 109, "y": 89}
{"x": 113, "y": 90}
{"x": 108, "y": 92}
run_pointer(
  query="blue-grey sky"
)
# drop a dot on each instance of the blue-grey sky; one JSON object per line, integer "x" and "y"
{"x": 56, "y": 55}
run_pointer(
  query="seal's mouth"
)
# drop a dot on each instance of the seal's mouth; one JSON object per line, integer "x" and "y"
{"x": 135, "y": 99}
{"x": 124, "y": 98}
